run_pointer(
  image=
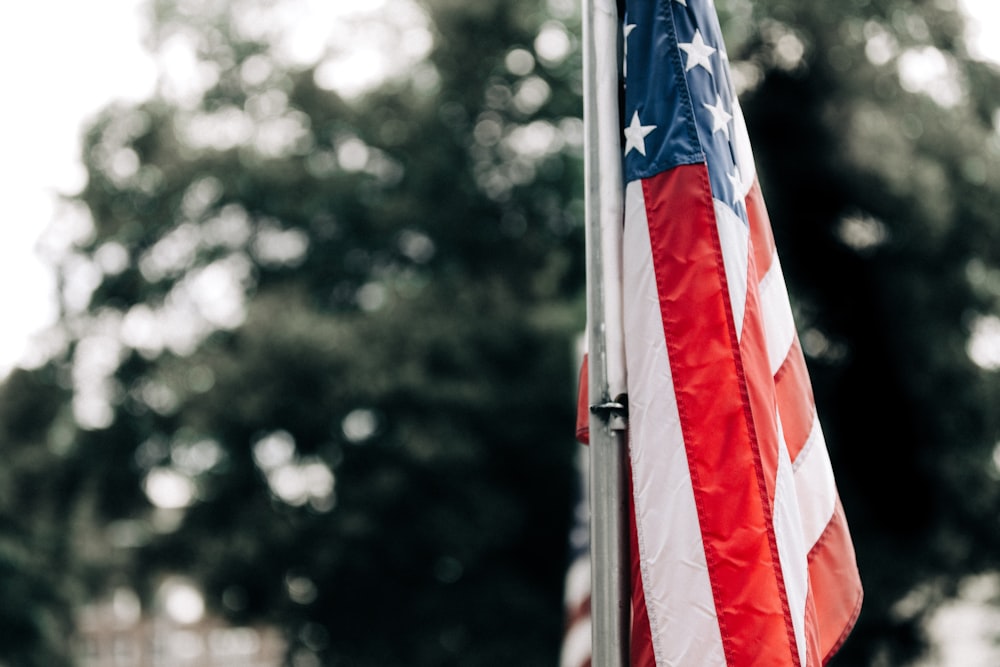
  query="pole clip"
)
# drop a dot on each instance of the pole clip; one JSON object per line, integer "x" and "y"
{"x": 613, "y": 413}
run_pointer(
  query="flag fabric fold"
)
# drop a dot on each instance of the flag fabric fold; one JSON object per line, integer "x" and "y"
{"x": 741, "y": 552}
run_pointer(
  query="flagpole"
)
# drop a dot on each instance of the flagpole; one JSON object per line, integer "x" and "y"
{"x": 610, "y": 600}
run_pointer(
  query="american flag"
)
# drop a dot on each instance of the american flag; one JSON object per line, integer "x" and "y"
{"x": 741, "y": 552}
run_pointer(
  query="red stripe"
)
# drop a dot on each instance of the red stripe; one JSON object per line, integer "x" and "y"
{"x": 762, "y": 397}
{"x": 583, "y": 405}
{"x": 795, "y": 397}
{"x": 578, "y": 613}
{"x": 835, "y": 584}
{"x": 835, "y": 591}
{"x": 715, "y": 403}
{"x": 759, "y": 383}
{"x": 761, "y": 236}
{"x": 795, "y": 400}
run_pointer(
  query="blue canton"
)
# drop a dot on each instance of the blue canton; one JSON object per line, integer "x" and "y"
{"x": 679, "y": 95}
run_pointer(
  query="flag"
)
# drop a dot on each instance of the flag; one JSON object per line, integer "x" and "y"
{"x": 576, "y": 643}
{"x": 575, "y": 650}
{"x": 740, "y": 550}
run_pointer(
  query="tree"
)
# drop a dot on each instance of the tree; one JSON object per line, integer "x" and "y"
{"x": 325, "y": 363}
{"x": 37, "y": 572}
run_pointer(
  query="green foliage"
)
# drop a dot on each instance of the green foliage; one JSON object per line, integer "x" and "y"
{"x": 354, "y": 343}
{"x": 35, "y": 614}
{"x": 345, "y": 323}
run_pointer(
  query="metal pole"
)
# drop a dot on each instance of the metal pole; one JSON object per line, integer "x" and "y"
{"x": 610, "y": 611}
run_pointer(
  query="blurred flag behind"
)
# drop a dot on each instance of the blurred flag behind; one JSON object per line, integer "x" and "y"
{"x": 577, "y": 638}
{"x": 741, "y": 553}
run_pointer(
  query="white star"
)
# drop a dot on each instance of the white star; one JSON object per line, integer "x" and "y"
{"x": 720, "y": 117}
{"x": 698, "y": 53}
{"x": 635, "y": 135}
{"x": 683, "y": 2}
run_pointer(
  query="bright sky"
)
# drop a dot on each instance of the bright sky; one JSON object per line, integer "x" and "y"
{"x": 61, "y": 61}
{"x": 985, "y": 27}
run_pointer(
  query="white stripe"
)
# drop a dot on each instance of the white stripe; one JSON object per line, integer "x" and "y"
{"x": 743, "y": 151}
{"x": 776, "y": 311}
{"x": 682, "y": 615}
{"x": 577, "y": 584}
{"x": 793, "y": 551}
{"x": 576, "y": 646}
{"x": 815, "y": 486}
{"x": 734, "y": 237}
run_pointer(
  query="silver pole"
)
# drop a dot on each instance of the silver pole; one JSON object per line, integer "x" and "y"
{"x": 610, "y": 611}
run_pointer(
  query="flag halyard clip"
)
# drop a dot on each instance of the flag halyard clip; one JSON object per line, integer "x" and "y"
{"x": 613, "y": 413}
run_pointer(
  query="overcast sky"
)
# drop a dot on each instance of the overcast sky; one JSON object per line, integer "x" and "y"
{"x": 60, "y": 61}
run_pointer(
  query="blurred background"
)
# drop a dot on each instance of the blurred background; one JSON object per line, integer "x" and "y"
{"x": 292, "y": 291}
